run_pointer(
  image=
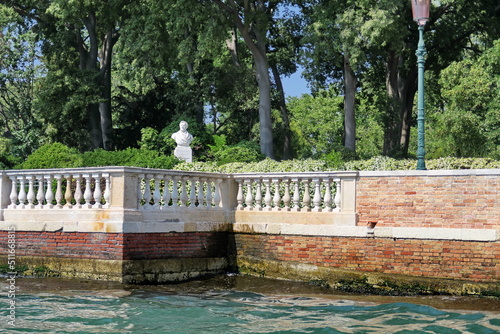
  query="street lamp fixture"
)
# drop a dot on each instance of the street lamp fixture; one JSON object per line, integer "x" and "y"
{"x": 421, "y": 9}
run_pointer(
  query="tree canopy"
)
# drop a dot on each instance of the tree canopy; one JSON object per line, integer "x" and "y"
{"x": 120, "y": 74}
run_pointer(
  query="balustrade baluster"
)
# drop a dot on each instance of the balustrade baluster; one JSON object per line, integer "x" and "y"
{"x": 192, "y": 193}
{"x": 296, "y": 194}
{"x": 184, "y": 195}
{"x": 140, "y": 195}
{"x": 286, "y": 196}
{"x": 31, "y": 192}
{"x": 201, "y": 193}
{"x": 40, "y": 194}
{"x": 217, "y": 196}
{"x": 156, "y": 193}
{"x": 166, "y": 191}
{"x": 78, "y": 191}
{"x": 337, "y": 199}
{"x": 276, "y": 197}
{"x": 249, "y": 195}
{"x": 68, "y": 194}
{"x": 107, "y": 190}
{"x": 147, "y": 191}
{"x": 328, "y": 195}
{"x": 22, "y": 193}
{"x": 49, "y": 194}
{"x": 267, "y": 197}
{"x": 97, "y": 191}
{"x": 306, "y": 200}
{"x": 258, "y": 195}
{"x": 209, "y": 197}
{"x": 239, "y": 197}
{"x": 317, "y": 195}
{"x": 175, "y": 193}
{"x": 13, "y": 192}
{"x": 59, "y": 193}
{"x": 87, "y": 194}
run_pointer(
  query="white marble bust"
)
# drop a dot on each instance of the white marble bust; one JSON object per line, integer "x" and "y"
{"x": 182, "y": 137}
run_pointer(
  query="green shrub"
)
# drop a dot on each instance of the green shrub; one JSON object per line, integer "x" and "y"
{"x": 129, "y": 157}
{"x": 386, "y": 163}
{"x": 55, "y": 155}
{"x": 381, "y": 163}
{"x": 238, "y": 153}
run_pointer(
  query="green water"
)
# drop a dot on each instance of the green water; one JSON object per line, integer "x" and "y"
{"x": 230, "y": 306}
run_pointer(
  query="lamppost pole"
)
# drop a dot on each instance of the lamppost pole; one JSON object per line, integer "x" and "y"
{"x": 421, "y": 10}
{"x": 420, "y": 103}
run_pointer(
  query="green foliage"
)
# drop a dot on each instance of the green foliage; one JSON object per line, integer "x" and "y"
{"x": 54, "y": 155}
{"x": 244, "y": 151}
{"x": 265, "y": 166}
{"x": 386, "y": 163}
{"x": 469, "y": 125}
{"x": 64, "y": 99}
{"x": 7, "y": 160}
{"x": 129, "y": 157}
{"x": 57, "y": 155}
{"x": 316, "y": 123}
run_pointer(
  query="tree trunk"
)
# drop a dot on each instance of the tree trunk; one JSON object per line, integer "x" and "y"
{"x": 258, "y": 49}
{"x": 105, "y": 104}
{"x": 401, "y": 92}
{"x": 410, "y": 87}
{"x": 350, "y": 83}
{"x": 101, "y": 130}
{"x": 266, "y": 132}
{"x": 287, "y": 142}
{"x": 393, "y": 118}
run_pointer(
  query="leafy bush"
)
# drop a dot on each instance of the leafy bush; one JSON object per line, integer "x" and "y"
{"x": 7, "y": 160}
{"x": 386, "y": 163}
{"x": 129, "y": 157}
{"x": 60, "y": 156}
{"x": 55, "y": 155}
{"x": 381, "y": 163}
{"x": 265, "y": 166}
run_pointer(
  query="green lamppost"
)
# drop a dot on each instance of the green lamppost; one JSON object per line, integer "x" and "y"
{"x": 421, "y": 10}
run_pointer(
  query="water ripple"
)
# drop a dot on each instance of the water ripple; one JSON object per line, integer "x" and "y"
{"x": 231, "y": 312}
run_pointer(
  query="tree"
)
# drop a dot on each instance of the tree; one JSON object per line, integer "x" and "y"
{"x": 316, "y": 122}
{"x": 382, "y": 36}
{"x": 470, "y": 124}
{"x": 252, "y": 19}
{"x": 19, "y": 71}
{"x": 94, "y": 27}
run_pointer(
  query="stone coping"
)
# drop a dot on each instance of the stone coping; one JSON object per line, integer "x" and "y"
{"x": 419, "y": 233}
{"x": 443, "y": 172}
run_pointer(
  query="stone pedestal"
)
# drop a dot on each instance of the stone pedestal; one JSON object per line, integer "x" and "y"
{"x": 184, "y": 153}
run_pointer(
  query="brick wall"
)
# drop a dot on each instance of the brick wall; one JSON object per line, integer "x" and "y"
{"x": 174, "y": 245}
{"x": 118, "y": 246}
{"x": 455, "y": 201}
{"x": 475, "y": 261}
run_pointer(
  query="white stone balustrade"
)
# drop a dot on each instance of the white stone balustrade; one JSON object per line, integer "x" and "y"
{"x": 57, "y": 189}
{"x": 171, "y": 190}
{"x": 299, "y": 192}
{"x": 135, "y": 199}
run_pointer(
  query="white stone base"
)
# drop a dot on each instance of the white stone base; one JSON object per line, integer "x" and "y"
{"x": 184, "y": 153}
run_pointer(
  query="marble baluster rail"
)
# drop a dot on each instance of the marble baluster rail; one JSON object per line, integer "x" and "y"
{"x": 316, "y": 192}
{"x": 171, "y": 190}
{"x": 58, "y": 189}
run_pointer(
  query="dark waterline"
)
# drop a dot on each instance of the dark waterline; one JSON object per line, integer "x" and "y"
{"x": 236, "y": 304}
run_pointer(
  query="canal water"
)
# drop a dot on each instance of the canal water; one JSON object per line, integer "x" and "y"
{"x": 233, "y": 304}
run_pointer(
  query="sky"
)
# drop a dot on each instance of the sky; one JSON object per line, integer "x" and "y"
{"x": 295, "y": 85}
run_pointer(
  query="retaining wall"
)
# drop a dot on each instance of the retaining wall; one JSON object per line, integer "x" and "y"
{"x": 437, "y": 231}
